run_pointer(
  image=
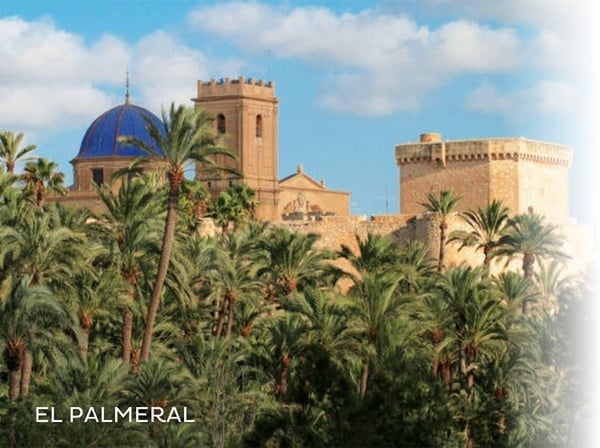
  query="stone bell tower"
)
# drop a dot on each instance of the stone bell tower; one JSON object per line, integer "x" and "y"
{"x": 245, "y": 115}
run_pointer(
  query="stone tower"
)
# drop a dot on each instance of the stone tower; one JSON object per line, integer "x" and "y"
{"x": 245, "y": 114}
{"x": 525, "y": 174}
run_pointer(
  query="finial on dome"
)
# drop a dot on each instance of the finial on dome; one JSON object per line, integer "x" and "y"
{"x": 127, "y": 89}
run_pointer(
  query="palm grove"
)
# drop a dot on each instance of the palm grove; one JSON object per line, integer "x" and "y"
{"x": 250, "y": 330}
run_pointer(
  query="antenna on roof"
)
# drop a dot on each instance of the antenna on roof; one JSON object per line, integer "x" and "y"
{"x": 127, "y": 88}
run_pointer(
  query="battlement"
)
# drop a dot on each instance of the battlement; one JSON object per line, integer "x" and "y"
{"x": 431, "y": 148}
{"x": 240, "y": 87}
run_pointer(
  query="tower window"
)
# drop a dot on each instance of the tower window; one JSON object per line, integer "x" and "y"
{"x": 259, "y": 130}
{"x": 221, "y": 127}
{"x": 98, "y": 176}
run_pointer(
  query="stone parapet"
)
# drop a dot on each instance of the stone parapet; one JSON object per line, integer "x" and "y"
{"x": 484, "y": 149}
{"x": 246, "y": 87}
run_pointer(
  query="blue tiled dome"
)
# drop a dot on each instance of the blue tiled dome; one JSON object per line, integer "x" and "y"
{"x": 101, "y": 138}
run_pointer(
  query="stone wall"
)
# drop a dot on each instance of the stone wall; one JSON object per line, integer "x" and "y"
{"x": 335, "y": 231}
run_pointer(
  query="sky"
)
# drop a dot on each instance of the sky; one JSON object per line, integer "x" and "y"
{"x": 354, "y": 78}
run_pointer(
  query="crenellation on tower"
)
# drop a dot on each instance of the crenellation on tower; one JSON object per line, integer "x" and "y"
{"x": 489, "y": 149}
{"x": 241, "y": 86}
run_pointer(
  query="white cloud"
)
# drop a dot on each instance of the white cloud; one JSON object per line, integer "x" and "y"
{"x": 165, "y": 70}
{"x": 554, "y": 14}
{"x": 49, "y": 106}
{"x": 52, "y": 79}
{"x": 384, "y": 63}
{"x": 312, "y": 33}
{"x": 544, "y": 96}
{"x": 554, "y": 96}
{"x": 380, "y": 61}
{"x": 487, "y": 98}
{"x": 563, "y": 31}
{"x": 465, "y": 46}
{"x": 37, "y": 49}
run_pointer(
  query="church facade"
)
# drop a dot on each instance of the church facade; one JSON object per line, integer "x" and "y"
{"x": 245, "y": 114}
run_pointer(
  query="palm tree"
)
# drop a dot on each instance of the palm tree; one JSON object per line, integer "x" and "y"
{"x": 529, "y": 237}
{"x": 294, "y": 261}
{"x": 224, "y": 388}
{"x": 441, "y": 205}
{"x": 159, "y": 383}
{"x": 478, "y": 336}
{"x": 99, "y": 383}
{"x": 375, "y": 305}
{"x": 131, "y": 226}
{"x": 41, "y": 178}
{"x": 376, "y": 254}
{"x": 15, "y": 209}
{"x": 194, "y": 203}
{"x": 555, "y": 286}
{"x": 235, "y": 205}
{"x": 43, "y": 252}
{"x": 7, "y": 182}
{"x": 487, "y": 225}
{"x": 330, "y": 345}
{"x": 26, "y": 315}
{"x": 235, "y": 278}
{"x": 93, "y": 296}
{"x": 415, "y": 266}
{"x": 187, "y": 136}
{"x": 515, "y": 290}
{"x": 10, "y": 152}
{"x": 281, "y": 346}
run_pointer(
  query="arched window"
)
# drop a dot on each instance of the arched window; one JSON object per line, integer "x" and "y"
{"x": 259, "y": 126}
{"x": 221, "y": 127}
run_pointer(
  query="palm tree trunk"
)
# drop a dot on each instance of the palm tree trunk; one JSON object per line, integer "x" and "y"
{"x": 442, "y": 254}
{"x": 221, "y": 320}
{"x": 26, "y": 371}
{"x": 14, "y": 361}
{"x": 462, "y": 356}
{"x": 364, "y": 378}
{"x": 528, "y": 261}
{"x": 135, "y": 360}
{"x": 83, "y": 350}
{"x": 447, "y": 373}
{"x": 15, "y": 384}
{"x": 283, "y": 379}
{"x": 163, "y": 265}
{"x": 500, "y": 394}
{"x": 85, "y": 321}
{"x": 436, "y": 338}
{"x": 127, "y": 332}
{"x": 230, "y": 317}
{"x": 39, "y": 194}
{"x": 487, "y": 258}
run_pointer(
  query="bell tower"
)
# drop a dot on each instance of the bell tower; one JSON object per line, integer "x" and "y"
{"x": 245, "y": 115}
